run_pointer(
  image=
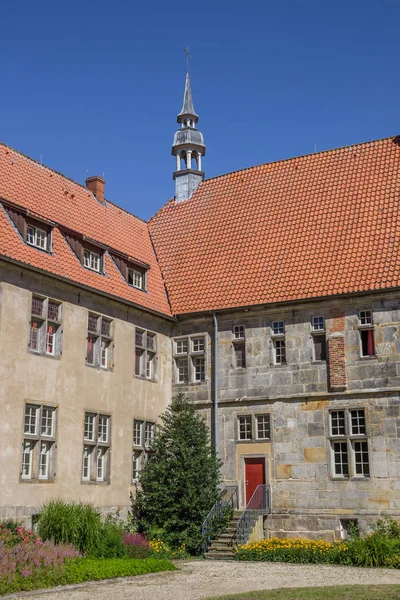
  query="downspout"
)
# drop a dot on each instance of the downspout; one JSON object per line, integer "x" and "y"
{"x": 215, "y": 383}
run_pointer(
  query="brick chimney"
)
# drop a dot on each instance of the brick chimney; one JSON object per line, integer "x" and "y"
{"x": 96, "y": 185}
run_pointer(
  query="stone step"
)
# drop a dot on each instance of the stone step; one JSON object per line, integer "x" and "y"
{"x": 220, "y": 547}
{"x": 219, "y": 557}
{"x": 225, "y": 536}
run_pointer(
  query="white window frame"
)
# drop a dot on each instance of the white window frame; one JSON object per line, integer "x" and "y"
{"x": 136, "y": 278}
{"x": 37, "y": 420}
{"x": 146, "y": 354}
{"x": 41, "y": 325}
{"x": 247, "y": 421}
{"x": 141, "y": 447}
{"x": 276, "y": 354}
{"x": 38, "y": 238}
{"x": 278, "y": 327}
{"x": 92, "y": 260}
{"x": 96, "y": 449}
{"x": 103, "y": 344}
{"x": 317, "y": 320}
{"x": 263, "y": 416}
{"x": 239, "y": 332}
{"x": 186, "y": 359}
{"x": 348, "y": 438}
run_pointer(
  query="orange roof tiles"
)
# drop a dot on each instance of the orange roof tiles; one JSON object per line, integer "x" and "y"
{"x": 312, "y": 226}
{"x": 49, "y": 195}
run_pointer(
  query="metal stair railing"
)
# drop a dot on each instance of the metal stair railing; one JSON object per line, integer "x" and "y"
{"x": 259, "y": 504}
{"x": 217, "y": 515}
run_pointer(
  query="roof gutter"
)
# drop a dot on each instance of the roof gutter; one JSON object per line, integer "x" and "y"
{"x": 215, "y": 368}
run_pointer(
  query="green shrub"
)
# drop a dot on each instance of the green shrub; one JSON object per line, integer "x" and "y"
{"x": 374, "y": 550}
{"x": 110, "y": 543}
{"x": 80, "y": 570}
{"x": 70, "y": 522}
{"x": 386, "y": 527}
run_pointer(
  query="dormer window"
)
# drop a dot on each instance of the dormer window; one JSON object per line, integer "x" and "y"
{"x": 91, "y": 260}
{"x": 136, "y": 278}
{"x": 133, "y": 272}
{"x": 36, "y": 237}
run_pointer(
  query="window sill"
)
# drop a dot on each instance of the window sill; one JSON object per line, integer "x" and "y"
{"x": 279, "y": 365}
{"x": 99, "y": 368}
{"x": 196, "y": 383}
{"x": 46, "y": 251}
{"x": 103, "y": 483}
{"x": 36, "y": 480}
{"x": 318, "y": 362}
{"x": 318, "y": 332}
{"x": 139, "y": 289}
{"x": 44, "y": 354}
{"x": 143, "y": 378}
{"x": 354, "y": 478}
{"x": 374, "y": 357}
{"x": 256, "y": 441}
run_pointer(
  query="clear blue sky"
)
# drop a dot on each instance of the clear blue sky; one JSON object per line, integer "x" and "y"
{"x": 95, "y": 87}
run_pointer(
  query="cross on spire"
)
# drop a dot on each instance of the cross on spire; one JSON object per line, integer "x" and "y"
{"x": 188, "y": 56}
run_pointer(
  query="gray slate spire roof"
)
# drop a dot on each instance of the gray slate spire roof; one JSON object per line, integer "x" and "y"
{"x": 187, "y": 107}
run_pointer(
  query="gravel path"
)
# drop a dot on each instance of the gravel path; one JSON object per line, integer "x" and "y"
{"x": 203, "y": 579}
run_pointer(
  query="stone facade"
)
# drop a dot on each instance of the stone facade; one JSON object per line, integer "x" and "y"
{"x": 308, "y": 498}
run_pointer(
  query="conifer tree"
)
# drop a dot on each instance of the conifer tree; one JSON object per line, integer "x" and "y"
{"x": 180, "y": 482}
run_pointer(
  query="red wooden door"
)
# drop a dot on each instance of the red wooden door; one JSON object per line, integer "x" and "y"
{"x": 255, "y": 475}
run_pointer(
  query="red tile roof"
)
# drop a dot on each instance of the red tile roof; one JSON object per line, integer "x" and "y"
{"x": 312, "y": 226}
{"x": 49, "y": 195}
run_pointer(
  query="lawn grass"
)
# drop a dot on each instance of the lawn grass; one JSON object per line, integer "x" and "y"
{"x": 343, "y": 592}
{"x": 81, "y": 570}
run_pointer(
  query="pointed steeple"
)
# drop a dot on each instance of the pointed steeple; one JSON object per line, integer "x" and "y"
{"x": 187, "y": 107}
{"x": 188, "y": 148}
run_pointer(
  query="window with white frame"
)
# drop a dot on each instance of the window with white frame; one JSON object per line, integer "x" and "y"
{"x": 145, "y": 354}
{"x": 37, "y": 237}
{"x": 318, "y": 338}
{"x": 278, "y": 328}
{"x": 190, "y": 359}
{"x": 366, "y": 332}
{"x": 239, "y": 347}
{"x": 39, "y": 443}
{"x": 96, "y": 448}
{"x": 45, "y": 326}
{"x": 99, "y": 345}
{"x": 254, "y": 427}
{"x": 263, "y": 427}
{"x": 279, "y": 342}
{"x": 136, "y": 278}
{"x": 348, "y": 440}
{"x": 92, "y": 260}
{"x": 143, "y": 436}
{"x": 279, "y": 352}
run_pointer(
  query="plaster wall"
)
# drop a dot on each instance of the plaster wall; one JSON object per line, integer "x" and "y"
{"x": 73, "y": 387}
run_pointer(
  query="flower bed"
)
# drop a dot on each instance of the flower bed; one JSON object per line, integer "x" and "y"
{"x": 12, "y": 533}
{"x": 295, "y": 550}
{"x": 28, "y": 563}
{"x": 159, "y": 549}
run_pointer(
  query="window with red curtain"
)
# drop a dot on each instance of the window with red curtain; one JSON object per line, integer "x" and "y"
{"x": 367, "y": 342}
{"x": 90, "y": 350}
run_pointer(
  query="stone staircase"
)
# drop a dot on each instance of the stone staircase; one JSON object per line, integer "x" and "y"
{"x": 221, "y": 547}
